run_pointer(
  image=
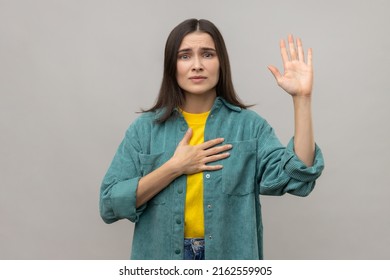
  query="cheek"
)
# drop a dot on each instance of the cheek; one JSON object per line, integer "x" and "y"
{"x": 214, "y": 66}
{"x": 180, "y": 70}
{"x": 216, "y": 70}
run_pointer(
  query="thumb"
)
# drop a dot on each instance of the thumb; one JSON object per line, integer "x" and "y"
{"x": 187, "y": 137}
{"x": 274, "y": 72}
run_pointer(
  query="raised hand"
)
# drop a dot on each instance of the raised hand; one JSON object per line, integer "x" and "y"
{"x": 297, "y": 79}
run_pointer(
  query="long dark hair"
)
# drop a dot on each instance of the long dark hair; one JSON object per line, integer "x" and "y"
{"x": 170, "y": 95}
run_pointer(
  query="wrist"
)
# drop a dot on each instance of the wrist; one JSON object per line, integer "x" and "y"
{"x": 173, "y": 168}
{"x": 302, "y": 96}
{"x": 302, "y": 100}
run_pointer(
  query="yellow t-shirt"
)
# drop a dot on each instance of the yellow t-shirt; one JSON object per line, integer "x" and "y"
{"x": 193, "y": 214}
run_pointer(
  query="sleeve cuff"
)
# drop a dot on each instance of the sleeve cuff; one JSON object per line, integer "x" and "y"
{"x": 123, "y": 199}
{"x": 297, "y": 170}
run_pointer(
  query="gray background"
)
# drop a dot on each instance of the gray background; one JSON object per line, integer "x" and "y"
{"x": 73, "y": 73}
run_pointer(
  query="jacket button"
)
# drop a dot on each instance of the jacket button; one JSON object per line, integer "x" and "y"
{"x": 178, "y": 221}
{"x": 207, "y": 176}
{"x": 209, "y": 206}
{"x": 177, "y": 251}
{"x": 180, "y": 190}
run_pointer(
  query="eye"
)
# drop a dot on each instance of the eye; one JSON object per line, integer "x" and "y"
{"x": 208, "y": 55}
{"x": 184, "y": 56}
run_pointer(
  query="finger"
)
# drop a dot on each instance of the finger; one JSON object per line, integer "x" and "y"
{"x": 217, "y": 150}
{"x": 275, "y": 72}
{"x": 283, "y": 52}
{"x": 310, "y": 57}
{"x": 208, "y": 144}
{"x": 216, "y": 157}
{"x": 301, "y": 56}
{"x": 293, "y": 52}
{"x": 212, "y": 167}
{"x": 187, "y": 137}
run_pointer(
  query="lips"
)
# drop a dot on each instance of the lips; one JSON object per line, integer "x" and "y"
{"x": 198, "y": 78}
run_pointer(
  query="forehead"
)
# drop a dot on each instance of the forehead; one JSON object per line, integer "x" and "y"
{"x": 196, "y": 40}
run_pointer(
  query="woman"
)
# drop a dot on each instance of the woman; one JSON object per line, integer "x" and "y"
{"x": 190, "y": 169}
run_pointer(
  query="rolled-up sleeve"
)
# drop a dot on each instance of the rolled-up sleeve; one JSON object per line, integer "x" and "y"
{"x": 281, "y": 171}
{"x": 119, "y": 186}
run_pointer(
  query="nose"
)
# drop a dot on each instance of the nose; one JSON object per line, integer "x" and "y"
{"x": 197, "y": 65}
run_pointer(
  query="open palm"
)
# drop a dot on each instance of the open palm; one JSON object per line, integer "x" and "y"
{"x": 297, "y": 79}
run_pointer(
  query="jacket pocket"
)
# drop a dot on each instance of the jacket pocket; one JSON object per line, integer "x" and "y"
{"x": 239, "y": 169}
{"x": 150, "y": 162}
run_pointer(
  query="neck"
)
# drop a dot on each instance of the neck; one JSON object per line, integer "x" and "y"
{"x": 197, "y": 104}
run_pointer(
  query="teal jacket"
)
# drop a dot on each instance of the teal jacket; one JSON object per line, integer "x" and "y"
{"x": 258, "y": 164}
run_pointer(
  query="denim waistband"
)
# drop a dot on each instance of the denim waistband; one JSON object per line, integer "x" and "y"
{"x": 194, "y": 241}
{"x": 194, "y": 249}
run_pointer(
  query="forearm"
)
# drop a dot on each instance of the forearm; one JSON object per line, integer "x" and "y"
{"x": 304, "y": 145}
{"x": 156, "y": 181}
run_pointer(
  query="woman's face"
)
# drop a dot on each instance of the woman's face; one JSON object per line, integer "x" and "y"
{"x": 197, "y": 65}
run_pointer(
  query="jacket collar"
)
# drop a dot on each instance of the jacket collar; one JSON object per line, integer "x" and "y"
{"x": 219, "y": 101}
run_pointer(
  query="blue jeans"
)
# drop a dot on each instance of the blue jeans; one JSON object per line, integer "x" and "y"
{"x": 193, "y": 249}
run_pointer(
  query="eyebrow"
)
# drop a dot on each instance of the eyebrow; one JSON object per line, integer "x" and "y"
{"x": 202, "y": 49}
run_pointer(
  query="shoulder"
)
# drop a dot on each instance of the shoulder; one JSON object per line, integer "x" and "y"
{"x": 256, "y": 125}
{"x": 241, "y": 113}
{"x": 251, "y": 116}
{"x": 142, "y": 123}
{"x": 146, "y": 118}
{"x": 249, "y": 113}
